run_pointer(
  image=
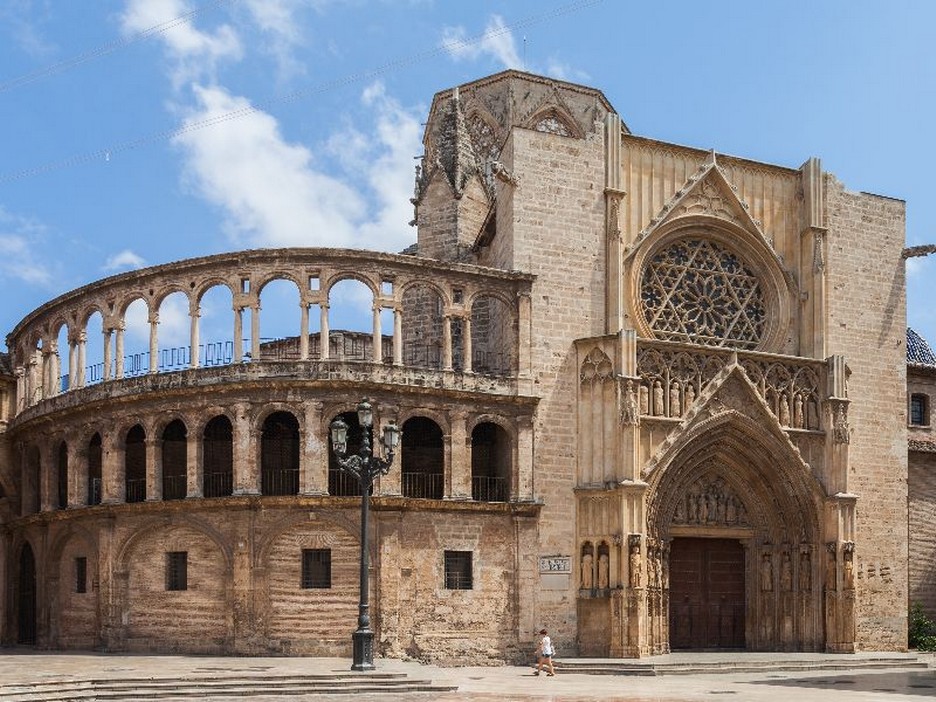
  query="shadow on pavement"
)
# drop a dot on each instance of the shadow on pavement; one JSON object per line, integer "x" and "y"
{"x": 904, "y": 682}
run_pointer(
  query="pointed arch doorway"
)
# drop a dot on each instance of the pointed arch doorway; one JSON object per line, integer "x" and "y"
{"x": 707, "y": 594}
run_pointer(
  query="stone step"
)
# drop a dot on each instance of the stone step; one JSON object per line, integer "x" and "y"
{"x": 207, "y": 687}
{"x": 737, "y": 665}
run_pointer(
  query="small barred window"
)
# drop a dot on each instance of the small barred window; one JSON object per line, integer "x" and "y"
{"x": 919, "y": 410}
{"x": 316, "y": 568}
{"x": 177, "y": 570}
{"x": 698, "y": 291}
{"x": 458, "y": 570}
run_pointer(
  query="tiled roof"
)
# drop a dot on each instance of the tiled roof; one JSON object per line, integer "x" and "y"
{"x": 922, "y": 446}
{"x": 919, "y": 352}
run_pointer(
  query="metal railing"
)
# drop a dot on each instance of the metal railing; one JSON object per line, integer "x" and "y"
{"x": 489, "y": 488}
{"x": 218, "y": 484}
{"x": 136, "y": 490}
{"x": 175, "y": 487}
{"x": 423, "y": 485}
{"x": 279, "y": 481}
{"x": 340, "y": 484}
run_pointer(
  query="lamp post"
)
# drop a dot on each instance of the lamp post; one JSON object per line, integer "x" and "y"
{"x": 365, "y": 467}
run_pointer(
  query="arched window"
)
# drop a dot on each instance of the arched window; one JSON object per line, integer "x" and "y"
{"x": 490, "y": 463}
{"x": 135, "y": 465}
{"x": 422, "y": 459}
{"x": 174, "y": 460}
{"x": 94, "y": 470}
{"x": 218, "y": 458}
{"x": 62, "y": 476}
{"x": 279, "y": 455}
{"x": 340, "y": 483}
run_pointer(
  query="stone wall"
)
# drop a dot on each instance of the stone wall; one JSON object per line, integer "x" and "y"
{"x": 867, "y": 324}
{"x": 922, "y": 495}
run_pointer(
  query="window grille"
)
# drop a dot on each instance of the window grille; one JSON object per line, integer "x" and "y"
{"x": 81, "y": 574}
{"x": 458, "y": 570}
{"x": 177, "y": 570}
{"x": 919, "y": 410}
{"x": 316, "y": 568}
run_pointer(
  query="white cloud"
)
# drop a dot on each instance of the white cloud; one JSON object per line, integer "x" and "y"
{"x": 195, "y": 53}
{"x": 269, "y": 188}
{"x": 21, "y": 242}
{"x": 124, "y": 260}
{"x": 274, "y": 194}
{"x": 21, "y": 19}
{"x": 497, "y": 42}
{"x": 278, "y": 20}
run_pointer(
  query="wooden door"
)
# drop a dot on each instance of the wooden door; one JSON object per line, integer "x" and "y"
{"x": 706, "y": 600}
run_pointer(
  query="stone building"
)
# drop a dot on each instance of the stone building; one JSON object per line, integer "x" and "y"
{"x": 921, "y": 390}
{"x": 651, "y": 398}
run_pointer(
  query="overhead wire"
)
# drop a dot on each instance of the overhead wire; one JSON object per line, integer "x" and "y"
{"x": 108, "y": 48}
{"x": 169, "y": 134}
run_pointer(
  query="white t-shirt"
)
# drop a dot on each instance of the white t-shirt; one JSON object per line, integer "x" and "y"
{"x": 546, "y": 646}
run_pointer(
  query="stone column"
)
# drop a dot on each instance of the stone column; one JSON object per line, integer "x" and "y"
{"x": 524, "y": 343}
{"x": 313, "y": 459}
{"x": 108, "y": 355}
{"x": 466, "y": 336}
{"x": 397, "y": 337}
{"x": 119, "y": 351}
{"x": 77, "y": 469}
{"x": 82, "y": 357}
{"x": 522, "y": 480}
{"x": 238, "y": 334}
{"x": 323, "y": 333}
{"x": 255, "y": 331}
{"x": 195, "y": 341}
{"x": 154, "y": 342}
{"x": 193, "y": 465}
{"x": 458, "y": 482}
{"x": 46, "y": 486}
{"x": 246, "y": 463}
{"x": 377, "y": 355}
{"x": 303, "y": 331}
{"x": 113, "y": 488}
{"x": 447, "y": 342}
{"x": 154, "y": 481}
{"x": 72, "y": 363}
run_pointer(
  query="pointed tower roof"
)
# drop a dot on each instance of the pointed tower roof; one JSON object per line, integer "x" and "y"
{"x": 919, "y": 352}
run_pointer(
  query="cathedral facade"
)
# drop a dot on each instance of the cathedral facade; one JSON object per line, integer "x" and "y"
{"x": 651, "y": 396}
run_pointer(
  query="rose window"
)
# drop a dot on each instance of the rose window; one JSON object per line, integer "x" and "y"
{"x": 698, "y": 291}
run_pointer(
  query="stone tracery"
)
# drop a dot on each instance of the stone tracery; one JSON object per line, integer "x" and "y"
{"x": 697, "y": 290}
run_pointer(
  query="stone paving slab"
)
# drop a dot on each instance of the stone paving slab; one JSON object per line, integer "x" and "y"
{"x": 504, "y": 683}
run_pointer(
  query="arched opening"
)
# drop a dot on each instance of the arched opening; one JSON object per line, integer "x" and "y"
{"x": 175, "y": 460}
{"x": 341, "y": 484}
{"x": 422, "y": 327}
{"x": 174, "y": 333}
{"x": 136, "y": 334}
{"x": 492, "y": 336}
{"x": 216, "y": 342}
{"x": 279, "y": 455}
{"x": 95, "y": 459}
{"x": 64, "y": 358}
{"x": 135, "y": 464}
{"x": 734, "y": 542}
{"x": 26, "y": 597}
{"x": 422, "y": 459}
{"x": 218, "y": 457}
{"x": 62, "y": 476}
{"x": 279, "y": 321}
{"x": 490, "y": 463}
{"x": 93, "y": 371}
{"x": 351, "y": 322}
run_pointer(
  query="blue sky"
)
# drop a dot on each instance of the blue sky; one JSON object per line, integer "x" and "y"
{"x": 138, "y": 132}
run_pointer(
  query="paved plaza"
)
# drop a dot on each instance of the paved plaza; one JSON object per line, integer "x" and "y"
{"x": 19, "y": 670}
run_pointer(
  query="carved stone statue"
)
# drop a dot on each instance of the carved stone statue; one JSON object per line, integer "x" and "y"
{"x": 831, "y": 553}
{"x": 644, "y": 398}
{"x": 587, "y": 572}
{"x": 766, "y": 573}
{"x": 840, "y": 429}
{"x": 629, "y": 410}
{"x": 657, "y": 399}
{"x": 603, "y": 571}
{"x": 798, "y": 412}
{"x": 848, "y": 554}
{"x": 675, "y": 406}
{"x": 634, "y": 561}
{"x": 786, "y": 572}
{"x": 805, "y": 572}
{"x": 784, "y": 410}
{"x": 690, "y": 397}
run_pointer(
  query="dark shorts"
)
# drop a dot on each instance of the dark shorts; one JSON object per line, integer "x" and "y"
{"x": 545, "y": 655}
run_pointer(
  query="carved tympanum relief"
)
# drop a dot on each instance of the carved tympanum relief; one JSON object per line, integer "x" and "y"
{"x": 596, "y": 368}
{"x": 551, "y": 124}
{"x": 698, "y": 291}
{"x": 710, "y": 501}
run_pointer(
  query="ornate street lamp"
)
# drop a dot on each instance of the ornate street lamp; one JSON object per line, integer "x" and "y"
{"x": 365, "y": 467}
